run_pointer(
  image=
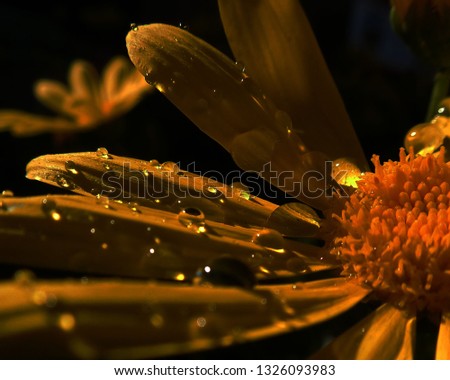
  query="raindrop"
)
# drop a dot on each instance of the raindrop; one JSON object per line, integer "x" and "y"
{"x": 191, "y": 216}
{"x": 7, "y": 194}
{"x": 103, "y": 153}
{"x": 269, "y": 239}
{"x": 297, "y": 265}
{"x": 64, "y": 182}
{"x": 169, "y": 168}
{"x": 227, "y": 271}
{"x": 424, "y": 138}
{"x": 243, "y": 190}
{"x": 345, "y": 172}
{"x": 24, "y": 278}
{"x": 155, "y": 163}
{"x": 240, "y": 66}
{"x": 133, "y": 206}
{"x": 134, "y": 27}
{"x": 71, "y": 167}
{"x": 66, "y": 322}
{"x": 157, "y": 320}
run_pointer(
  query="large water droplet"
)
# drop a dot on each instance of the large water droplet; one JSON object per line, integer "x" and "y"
{"x": 65, "y": 183}
{"x": 424, "y": 138}
{"x": 24, "y": 278}
{"x": 6, "y": 194}
{"x": 344, "y": 172}
{"x": 269, "y": 239}
{"x": 103, "y": 153}
{"x": 155, "y": 164}
{"x": 192, "y": 218}
{"x": 227, "y": 271}
{"x": 71, "y": 167}
{"x": 170, "y": 168}
{"x": 66, "y": 322}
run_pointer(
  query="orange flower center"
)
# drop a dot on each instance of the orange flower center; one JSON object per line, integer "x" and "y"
{"x": 396, "y": 235}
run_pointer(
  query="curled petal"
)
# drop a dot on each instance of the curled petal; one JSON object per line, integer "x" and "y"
{"x": 84, "y": 82}
{"x": 23, "y": 124}
{"x": 53, "y": 94}
{"x": 274, "y": 41}
{"x": 122, "y": 86}
{"x": 167, "y": 187}
{"x": 227, "y": 105}
{"x": 386, "y": 334}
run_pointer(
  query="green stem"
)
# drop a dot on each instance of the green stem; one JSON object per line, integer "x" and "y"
{"x": 439, "y": 92}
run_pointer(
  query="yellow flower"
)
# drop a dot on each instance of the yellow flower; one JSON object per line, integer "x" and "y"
{"x": 85, "y": 103}
{"x": 225, "y": 266}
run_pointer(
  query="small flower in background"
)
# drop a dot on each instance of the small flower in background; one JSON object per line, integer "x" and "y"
{"x": 194, "y": 264}
{"x": 86, "y": 102}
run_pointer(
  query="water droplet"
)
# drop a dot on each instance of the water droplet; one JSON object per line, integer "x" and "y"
{"x": 24, "y": 278}
{"x": 133, "y": 206}
{"x": 227, "y": 271}
{"x": 92, "y": 230}
{"x": 240, "y": 66}
{"x": 155, "y": 163}
{"x": 71, "y": 167}
{"x": 269, "y": 239}
{"x": 297, "y": 265}
{"x": 103, "y": 153}
{"x": 66, "y": 322}
{"x": 424, "y": 138}
{"x": 243, "y": 190}
{"x": 170, "y": 168}
{"x": 106, "y": 166}
{"x": 191, "y": 217}
{"x": 183, "y": 26}
{"x": 64, "y": 182}
{"x": 134, "y": 27}
{"x": 157, "y": 320}
{"x": 7, "y": 194}
{"x": 201, "y": 322}
{"x": 345, "y": 172}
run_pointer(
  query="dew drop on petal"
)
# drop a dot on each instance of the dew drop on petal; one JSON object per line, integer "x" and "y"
{"x": 65, "y": 183}
{"x": 103, "y": 153}
{"x": 134, "y": 27}
{"x": 157, "y": 320}
{"x": 269, "y": 239}
{"x": 24, "y": 277}
{"x": 227, "y": 271}
{"x": 344, "y": 172}
{"x": 6, "y": 194}
{"x": 169, "y": 168}
{"x": 155, "y": 163}
{"x": 243, "y": 190}
{"x": 71, "y": 167}
{"x": 424, "y": 138}
{"x": 66, "y": 322}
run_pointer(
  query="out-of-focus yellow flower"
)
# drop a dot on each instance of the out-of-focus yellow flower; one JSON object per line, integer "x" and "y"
{"x": 86, "y": 102}
{"x": 423, "y": 25}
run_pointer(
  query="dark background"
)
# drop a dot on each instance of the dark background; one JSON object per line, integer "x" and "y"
{"x": 384, "y": 87}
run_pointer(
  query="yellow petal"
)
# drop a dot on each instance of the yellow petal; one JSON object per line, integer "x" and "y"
{"x": 318, "y": 301}
{"x": 100, "y": 236}
{"x": 53, "y": 94}
{"x": 84, "y": 82}
{"x": 23, "y": 124}
{"x": 386, "y": 334}
{"x": 227, "y": 105}
{"x": 275, "y": 43}
{"x": 443, "y": 343}
{"x": 125, "y": 319}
